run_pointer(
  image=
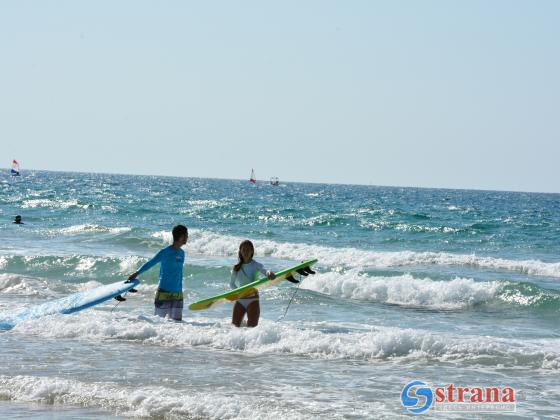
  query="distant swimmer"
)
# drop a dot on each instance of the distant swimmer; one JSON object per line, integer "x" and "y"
{"x": 169, "y": 295}
{"x": 17, "y": 220}
{"x": 244, "y": 272}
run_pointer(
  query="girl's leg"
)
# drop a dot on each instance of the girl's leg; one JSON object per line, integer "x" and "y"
{"x": 253, "y": 314}
{"x": 238, "y": 314}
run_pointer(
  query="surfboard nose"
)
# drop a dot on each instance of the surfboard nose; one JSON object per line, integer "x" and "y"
{"x": 6, "y": 325}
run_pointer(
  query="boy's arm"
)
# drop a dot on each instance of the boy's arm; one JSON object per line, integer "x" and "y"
{"x": 149, "y": 264}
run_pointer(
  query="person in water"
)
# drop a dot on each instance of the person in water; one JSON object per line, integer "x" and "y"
{"x": 18, "y": 221}
{"x": 244, "y": 272}
{"x": 169, "y": 295}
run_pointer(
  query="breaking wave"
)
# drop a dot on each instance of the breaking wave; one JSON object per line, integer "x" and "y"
{"x": 318, "y": 341}
{"x": 145, "y": 401}
{"x": 213, "y": 244}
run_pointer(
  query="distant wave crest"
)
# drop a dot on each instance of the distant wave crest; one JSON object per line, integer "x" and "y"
{"x": 208, "y": 243}
{"x": 455, "y": 294}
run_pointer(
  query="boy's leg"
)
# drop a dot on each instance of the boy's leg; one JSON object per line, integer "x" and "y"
{"x": 162, "y": 308}
{"x": 176, "y": 311}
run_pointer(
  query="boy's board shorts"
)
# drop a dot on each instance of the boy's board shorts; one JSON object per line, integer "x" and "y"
{"x": 169, "y": 304}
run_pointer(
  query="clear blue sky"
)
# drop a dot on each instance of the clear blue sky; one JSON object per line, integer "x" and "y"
{"x": 460, "y": 94}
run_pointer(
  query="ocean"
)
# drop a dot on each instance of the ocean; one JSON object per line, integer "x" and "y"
{"x": 436, "y": 285}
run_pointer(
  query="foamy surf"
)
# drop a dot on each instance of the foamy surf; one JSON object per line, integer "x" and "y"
{"x": 373, "y": 343}
{"x": 57, "y": 204}
{"x": 145, "y": 401}
{"x": 72, "y": 265}
{"x": 16, "y": 284}
{"x": 92, "y": 229}
{"x": 207, "y": 243}
{"x": 459, "y": 293}
{"x": 409, "y": 291}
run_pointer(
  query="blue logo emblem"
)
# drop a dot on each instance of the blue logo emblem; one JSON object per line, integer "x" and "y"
{"x": 417, "y": 397}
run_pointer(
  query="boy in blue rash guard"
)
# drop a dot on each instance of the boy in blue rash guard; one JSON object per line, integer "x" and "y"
{"x": 169, "y": 296}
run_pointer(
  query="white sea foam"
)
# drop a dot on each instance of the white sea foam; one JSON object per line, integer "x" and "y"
{"x": 88, "y": 285}
{"x": 61, "y": 204}
{"x": 371, "y": 343}
{"x": 145, "y": 401}
{"x": 165, "y": 235}
{"x": 39, "y": 287}
{"x": 209, "y": 204}
{"x": 110, "y": 209}
{"x": 406, "y": 227}
{"x": 77, "y": 263}
{"x": 92, "y": 228}
{"x": 208, "y": 243}
{"x": 85, "y": 264}
{"x": 23, "y": 285}
{"x": 130, "y": 263}
{"x": 404, "y": 290}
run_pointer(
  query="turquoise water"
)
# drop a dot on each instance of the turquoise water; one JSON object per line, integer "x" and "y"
{"x": 437, "y": 285}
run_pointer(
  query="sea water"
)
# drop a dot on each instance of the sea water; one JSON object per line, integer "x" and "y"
{"x": 442, "y": 286}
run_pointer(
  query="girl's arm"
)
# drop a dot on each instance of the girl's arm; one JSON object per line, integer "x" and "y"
{"x": 266, "y": 272}
{"x": 232, "y": 281}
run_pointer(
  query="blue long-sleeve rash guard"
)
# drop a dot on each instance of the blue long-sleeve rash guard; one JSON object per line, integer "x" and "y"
{"x": 171, "y": 268}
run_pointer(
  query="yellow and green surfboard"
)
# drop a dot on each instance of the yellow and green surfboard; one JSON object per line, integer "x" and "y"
{"x": 303, "y": 269}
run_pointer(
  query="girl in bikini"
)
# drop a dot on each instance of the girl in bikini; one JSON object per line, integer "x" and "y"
{"x": 244, "y": 272}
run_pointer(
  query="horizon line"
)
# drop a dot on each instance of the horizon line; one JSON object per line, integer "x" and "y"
{"x": 294, "y": 182}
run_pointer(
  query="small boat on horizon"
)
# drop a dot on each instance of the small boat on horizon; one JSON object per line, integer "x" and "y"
{"x": 253, "y": 179}
{"x": 15, "y": 168}
{"x": 274, "y": 181}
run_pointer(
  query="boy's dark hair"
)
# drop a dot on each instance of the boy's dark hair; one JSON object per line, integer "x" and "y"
{"x": 178, "y": 231}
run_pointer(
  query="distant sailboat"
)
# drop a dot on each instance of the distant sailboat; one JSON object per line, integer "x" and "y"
{"x": 15, "y": 168}
{"x": 274, "y": 181}
{"x": 253, "y": 179}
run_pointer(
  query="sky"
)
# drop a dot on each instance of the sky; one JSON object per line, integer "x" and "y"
{"x": 453, "y": 94}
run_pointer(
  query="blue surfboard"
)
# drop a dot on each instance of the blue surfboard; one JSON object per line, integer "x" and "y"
{"x": 70, "y": 304}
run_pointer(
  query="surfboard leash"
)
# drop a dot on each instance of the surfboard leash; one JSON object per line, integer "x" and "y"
{"x": 303, "y": 272}
{"x": 121, "y": 298}
{"x": 291, "y": 299}
{"x": 119, "y": 301}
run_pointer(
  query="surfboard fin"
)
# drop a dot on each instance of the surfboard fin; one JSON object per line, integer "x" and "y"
{"x": 309, "y": 270}
{"x": 133, "y": 290}
{"x": 291, "y": 279}
{"x": 303, "y": 272}
{"x": 119, "y": 298}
